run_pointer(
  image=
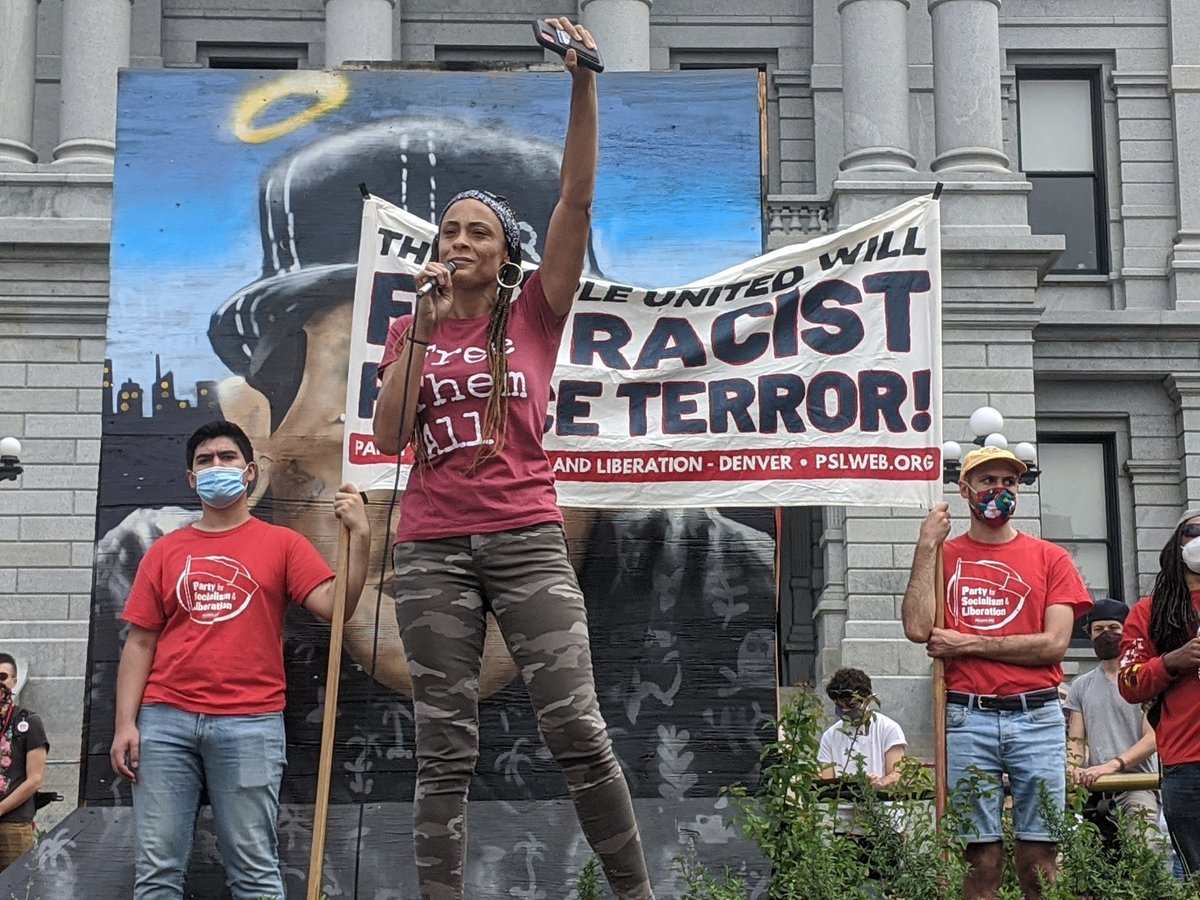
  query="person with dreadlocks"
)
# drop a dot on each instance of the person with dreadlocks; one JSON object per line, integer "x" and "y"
{"x": 466, "y": 381}
{"x": 1160, "y": 656}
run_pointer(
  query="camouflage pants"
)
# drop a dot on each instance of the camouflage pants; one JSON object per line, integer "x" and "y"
{"x": 443, "y": 591}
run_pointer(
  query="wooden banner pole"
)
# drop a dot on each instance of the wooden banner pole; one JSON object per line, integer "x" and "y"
{"x": 939, "y": 691}
{"x": 1122, "y": 781}
{"x": 316, "y": 859}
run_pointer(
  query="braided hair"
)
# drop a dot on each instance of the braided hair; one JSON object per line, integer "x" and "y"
{"x": 1173, "y": 619}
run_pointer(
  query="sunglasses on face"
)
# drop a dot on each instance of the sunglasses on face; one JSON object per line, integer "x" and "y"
{"x": 4, "y": 676}
{"x": 1190, "y": 530}
{"x": 848, "y": 699}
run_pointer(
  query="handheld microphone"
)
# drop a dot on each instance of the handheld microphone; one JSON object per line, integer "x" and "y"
{"x": 428, "y": 286}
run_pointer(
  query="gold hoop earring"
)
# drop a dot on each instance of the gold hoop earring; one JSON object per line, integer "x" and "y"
{"x": 509, "y": 276}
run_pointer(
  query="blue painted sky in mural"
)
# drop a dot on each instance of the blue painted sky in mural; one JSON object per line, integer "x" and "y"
{"x": 678, "y": 195}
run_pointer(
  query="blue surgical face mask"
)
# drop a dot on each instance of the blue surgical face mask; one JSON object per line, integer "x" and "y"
{"x": 220, "y": 486}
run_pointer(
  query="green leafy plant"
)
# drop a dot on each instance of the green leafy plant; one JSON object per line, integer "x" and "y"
{"x": 589, "y": 886}
{"x": 1133, "y": 870}
{"x": 851, "y": 842}
{"x": 789, "y": 818}
{"x": 700, "y": 884}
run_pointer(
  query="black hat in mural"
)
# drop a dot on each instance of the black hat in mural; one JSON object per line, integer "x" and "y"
{"x": 310, "y": 211}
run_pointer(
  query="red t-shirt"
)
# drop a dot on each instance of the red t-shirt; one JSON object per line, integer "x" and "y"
{"x": 512, "y": 489}
{"x": 1143, "y": 677}
{"x": 1003, "y": 589}
{"x": 218, "y": 601}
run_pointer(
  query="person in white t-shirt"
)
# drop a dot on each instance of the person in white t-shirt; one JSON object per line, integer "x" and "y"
{"x": 863, "y": 739}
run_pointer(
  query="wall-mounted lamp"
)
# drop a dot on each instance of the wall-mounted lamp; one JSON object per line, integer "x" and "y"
{"x": 987, "y": 425}
{"x": 10, "y": 459}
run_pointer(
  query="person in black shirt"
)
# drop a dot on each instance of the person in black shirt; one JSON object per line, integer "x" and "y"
{"x": 23, "y": 749}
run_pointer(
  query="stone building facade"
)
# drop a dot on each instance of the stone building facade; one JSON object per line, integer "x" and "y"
{"x": 1066, "y": 135}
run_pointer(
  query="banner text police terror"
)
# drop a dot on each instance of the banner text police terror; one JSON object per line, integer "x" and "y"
{"x": 820, "y": 321}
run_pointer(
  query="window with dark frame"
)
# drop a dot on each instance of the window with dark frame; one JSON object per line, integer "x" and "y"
{"x": 1078, "y": 490}
{"x": 1060, "y": 141}
{"x": 251, "y": 56}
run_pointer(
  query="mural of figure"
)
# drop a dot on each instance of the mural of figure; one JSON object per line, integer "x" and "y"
{"x": 657, "y": 583}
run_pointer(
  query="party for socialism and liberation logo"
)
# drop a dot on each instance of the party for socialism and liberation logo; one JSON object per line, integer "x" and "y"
{"x": 214, "y": 588}
{"x": 986, "y": 595}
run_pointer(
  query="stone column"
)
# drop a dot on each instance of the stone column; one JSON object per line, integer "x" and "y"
{"x": 1158, "y": 501}
{"x": 966, "y": 85}
{"x": 1184, "y": 389}
{"x": 95, "y": 44}
{"x": 18, "y": 51}
{"x": 875, "y": 85}
{"x": 622, "y": 32}
{"x": 358, "y": 29}
{"x": 1184, "y": 267}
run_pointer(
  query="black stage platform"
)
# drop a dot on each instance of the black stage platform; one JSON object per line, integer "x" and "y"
{"x": 527, "y": 850}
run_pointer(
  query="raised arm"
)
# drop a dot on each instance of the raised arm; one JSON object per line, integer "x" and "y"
{"x": 571, "y": 222}
{"x": 348, "y": 507}
{"x": 918, "y": 610}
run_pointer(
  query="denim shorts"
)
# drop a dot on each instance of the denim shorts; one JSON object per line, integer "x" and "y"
{"x": 1030, "y": 746}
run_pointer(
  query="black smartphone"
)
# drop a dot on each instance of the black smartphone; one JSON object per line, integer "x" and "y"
{"x": 560, "y": 42}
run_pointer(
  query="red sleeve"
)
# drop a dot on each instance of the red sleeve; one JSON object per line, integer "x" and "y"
{"x": 306, "y": 568}
{"x": 145, "y": 607}
{"x": 1065, "y": 585}
{"x": 394, "y": 344}
{"x": 1142, "y": 675}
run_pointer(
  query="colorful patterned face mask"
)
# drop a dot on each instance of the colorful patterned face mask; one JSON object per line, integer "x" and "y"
{"x": 994, "y": 506}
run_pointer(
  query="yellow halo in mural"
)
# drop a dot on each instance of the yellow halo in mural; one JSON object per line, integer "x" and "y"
{"x": 328, "y": 91}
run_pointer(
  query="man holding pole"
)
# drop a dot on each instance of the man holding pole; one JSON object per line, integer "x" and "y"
{"x": 200, "y": 688}
{"x": 1010, "y": 604}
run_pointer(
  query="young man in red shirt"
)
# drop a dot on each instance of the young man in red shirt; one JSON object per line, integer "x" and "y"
{"x": 1011, "y": 603}
{"x": 200, "y": 688}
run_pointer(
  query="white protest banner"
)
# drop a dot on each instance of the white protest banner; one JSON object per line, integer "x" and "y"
{"x": 807, "y": 376}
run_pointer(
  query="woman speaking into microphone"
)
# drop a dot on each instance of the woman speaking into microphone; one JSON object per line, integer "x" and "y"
{"x": 466, "y": 381}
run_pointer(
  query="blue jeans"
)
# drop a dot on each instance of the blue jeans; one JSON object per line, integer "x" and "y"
{"x": 240, "y": 760}
{"x": 1181, "y": 806}
{"x": 1030, "y": 746}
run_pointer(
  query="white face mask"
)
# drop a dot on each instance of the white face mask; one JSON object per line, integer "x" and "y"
{"x": 1191, "y": 555}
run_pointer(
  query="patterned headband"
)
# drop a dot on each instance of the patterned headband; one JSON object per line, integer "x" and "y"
{"x": 498, "y": 205}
